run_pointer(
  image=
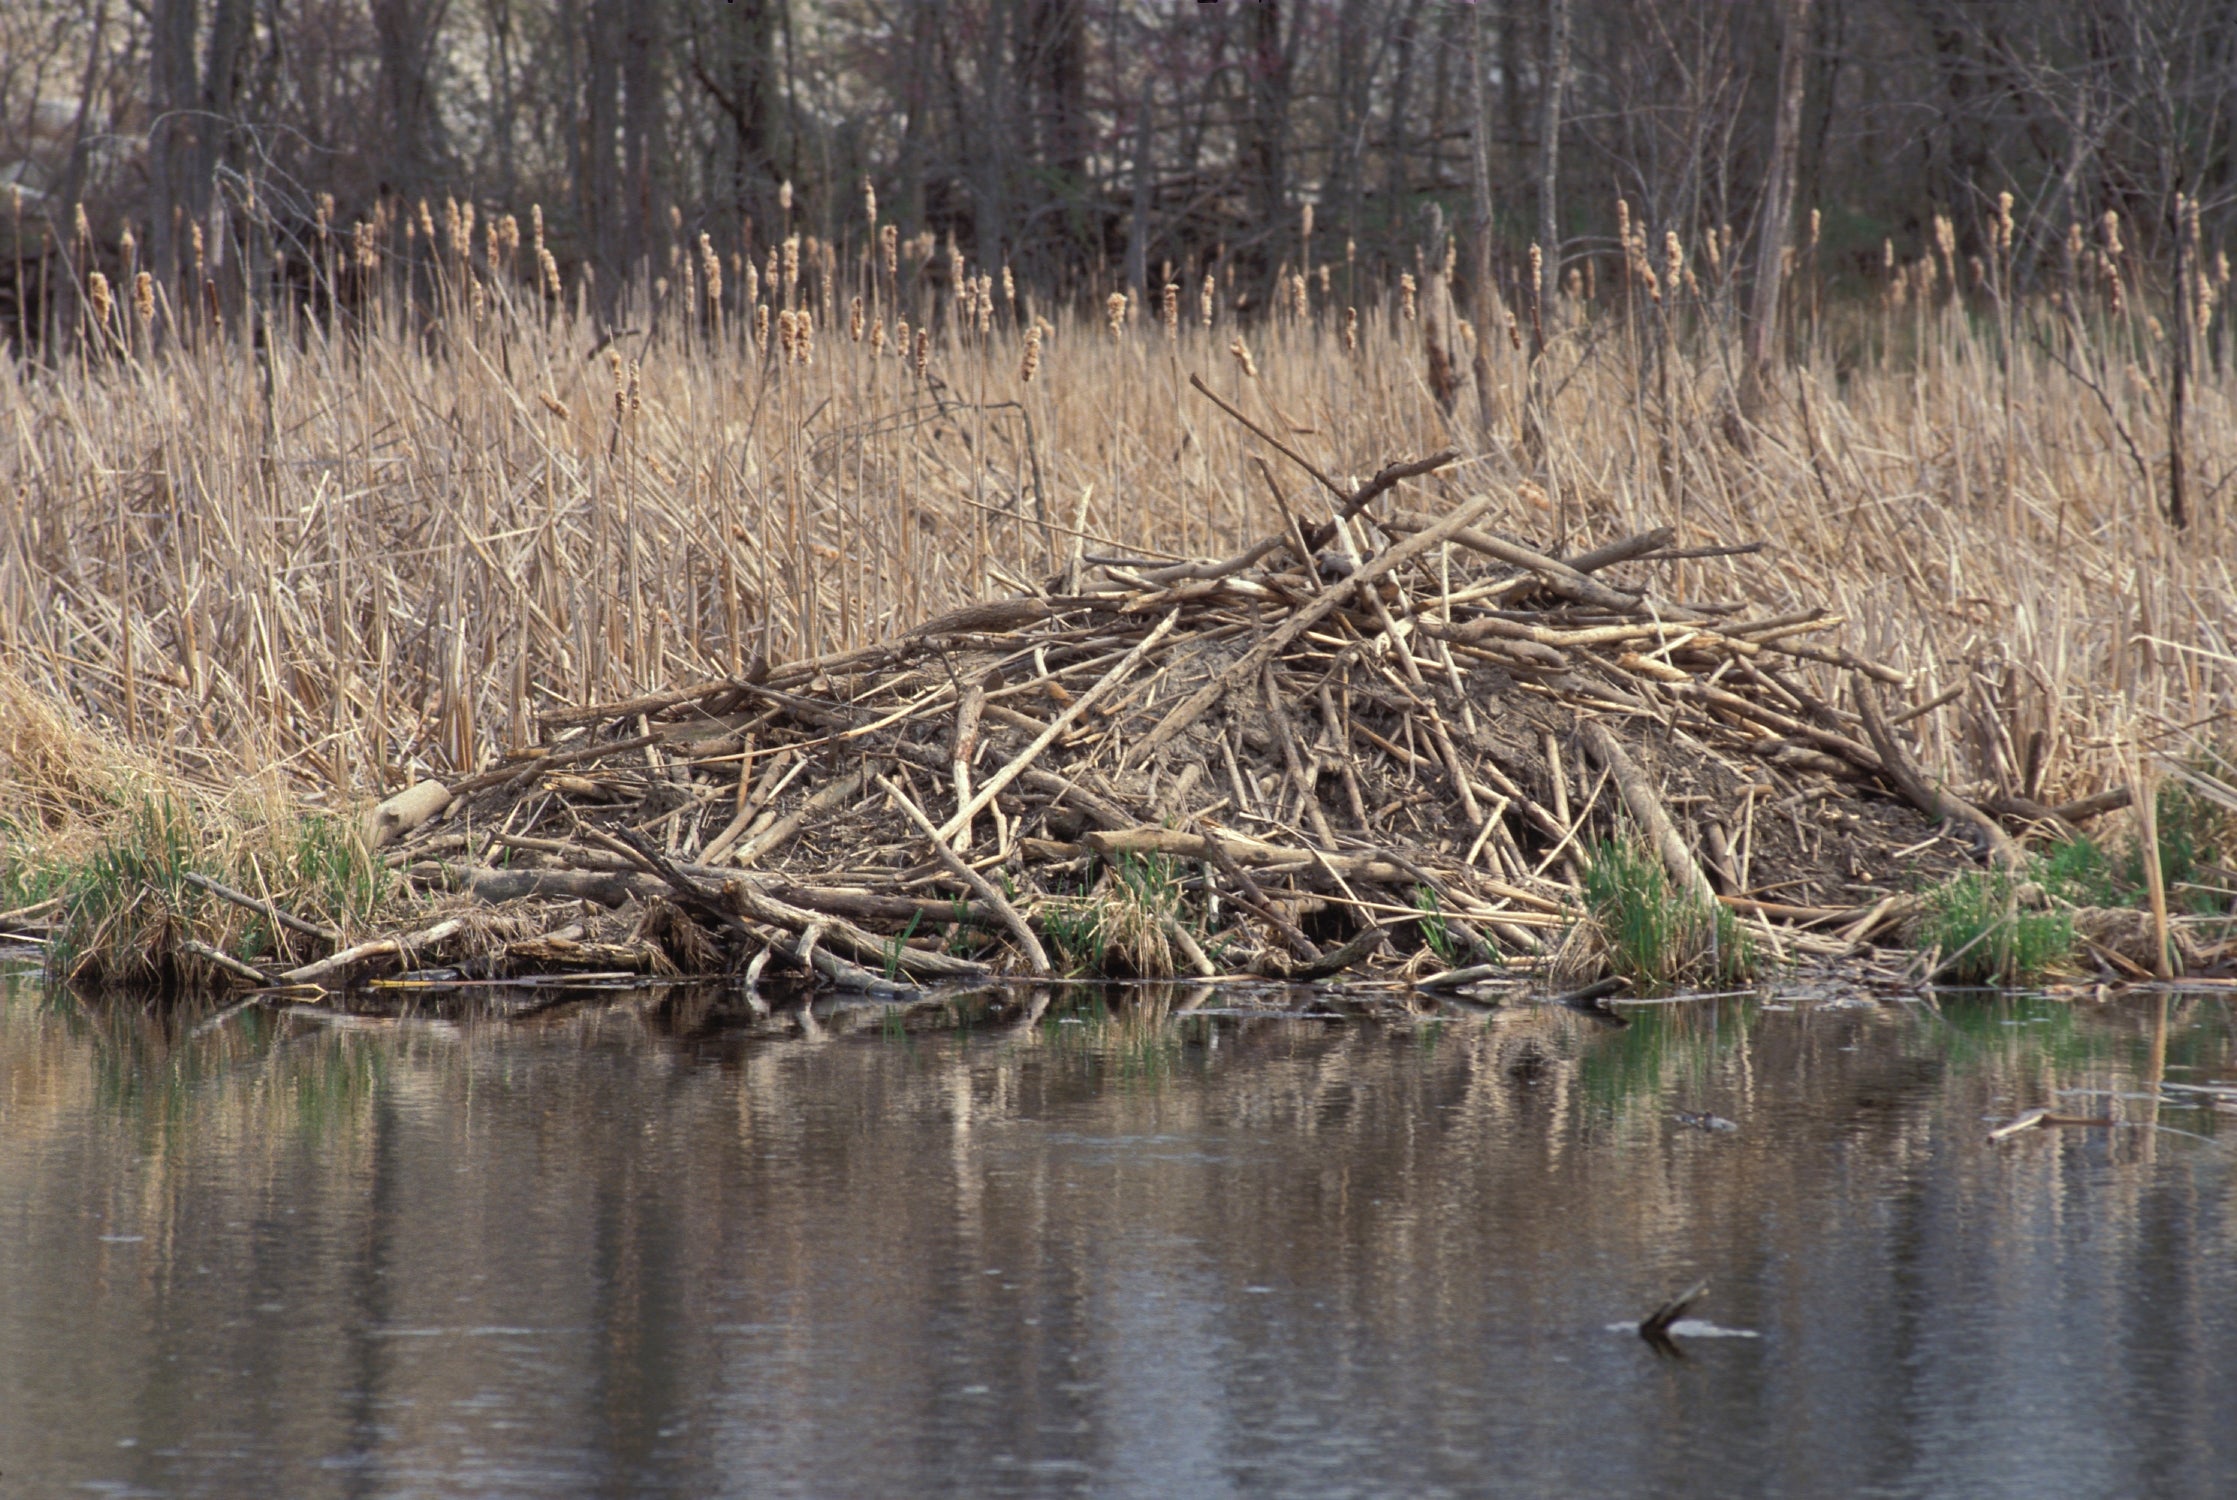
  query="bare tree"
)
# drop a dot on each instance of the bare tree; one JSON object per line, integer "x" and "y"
{"x": 1776, "y": 216}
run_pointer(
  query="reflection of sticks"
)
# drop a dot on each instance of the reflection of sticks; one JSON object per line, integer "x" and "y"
{"x": 1656, "y": 1325}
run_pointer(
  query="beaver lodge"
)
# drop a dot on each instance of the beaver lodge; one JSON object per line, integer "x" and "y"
{"x": 1390, "y": 742}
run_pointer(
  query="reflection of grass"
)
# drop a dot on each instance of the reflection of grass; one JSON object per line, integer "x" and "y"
{"x": 1135, "y": 1039}
{"x": 1661, "y": 1044}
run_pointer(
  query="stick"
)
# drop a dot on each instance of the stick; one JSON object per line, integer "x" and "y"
{"x": 1048, "y": 736}
{"x": 266, "y": 909}
{"x": 1035, "y": 955}
{"x": 780, "y": 832}
{"x": 1896, "y": 767}
{"x": 1254, "y": 900}
{"x": 318, "y": 973}
{"x": 1247, "y": 666}
{"x": 966, "y": 745}
{"x": 224, "y": 961}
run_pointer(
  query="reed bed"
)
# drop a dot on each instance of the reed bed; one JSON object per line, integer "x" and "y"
{"x": 370, "y": 528}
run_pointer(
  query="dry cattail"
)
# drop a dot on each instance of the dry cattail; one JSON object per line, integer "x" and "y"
{"x": 1010, "y": 292}
{"x": 554, "y": 405}
{"x": 1573, "y": 285}
{"x": 1114, "y": 312}
{"x": 870, "y": 201}
{"x": 97, "y": 295}
{"x": 956, "y": 278}
{"x": 804, "y": 338}
{"x": 1514, "y": 332}
{"x": 1653, "y": 283}
{"x": 1623, "y": 222}
{"x": 1406, "y": 295}
{"x": 636, "y": 389}
{"x": 1673, "y": 257}
{"x": 1817, "y": 223}
{"x": 426, "y": 223}
{"x": 549, "y": 265}
{"x": 1031, "y": 364}
{"x": 1945, "y": 240}
{"x": 923, "y": 351}
{"x": 1305, "y": 224}
{"x": 791, "y": 264}
{"x": 1537, "y": 268}
{"x": 855, "y": 320}
{"x": 1887, "y": 255}
{"x": 1323, "y": 270}
{"x": 1452, "y": 257}
{"x": 620, "y": 372}
{"x": 788, "y": 329}
{"x": 80, "y": 230}
{"x": 143, "y": 298}
{"x": 1298, "y": 301}
{"x": 1170, "y": 307}
{"x": 2221, "y": 268}
{"x": 889, "y": 241}
{"x": 2109, "y": 228}
{"x": 2152, "y": 326}
{"x": 1242, "y": 354}
{"x": 365, "y": 247}
{"x": 771, "y": 275}
{"x": 710, "y": 267}
{"x": 877, "y": 338}
{"x": 2203, "y": 300}
{"x": 761, "y": 324}
{"x": 1205, "y": 301}
{"x": 784, "y": 196}
{"x": 900, "y": 338}
{"x": 2113, "y": 290}
{"x": 1351, "y": 330}
{"x": 536, "y": 228}
{"x": 986, "y": 304}
{"x": 2004, "y": 223}
{"x": 322, "y": 213}
{"x": 477, "y": 301}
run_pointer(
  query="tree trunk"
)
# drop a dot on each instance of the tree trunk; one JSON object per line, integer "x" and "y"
{"x": 1480, "y": 298}
{"x": 599, "y": 183}
{"x": 1551, "y": 80}
{"x": 1777, "y": 214}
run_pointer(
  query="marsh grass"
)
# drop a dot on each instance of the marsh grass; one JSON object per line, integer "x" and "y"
{"x": 1646, "y": 930}
{"x": 1120, "y": 927}
{"x": 1980, "y": 932}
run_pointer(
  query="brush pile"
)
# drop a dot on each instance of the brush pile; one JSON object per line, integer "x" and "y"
{"x": 1388, "y": 734}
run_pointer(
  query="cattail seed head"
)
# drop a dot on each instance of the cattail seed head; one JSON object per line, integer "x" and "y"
{"x": 1009, "y": 291}
{"x": 791, "y": 264}
{"x": 364, "y": 247}
{"x": 1205, "y": 301}
{"x": 761, "y": 324}
{"x": 536, "y": 226}
{"x": 923, "y": 351}
{"x": 1351, "y": 330}
{"x": 1323, "y": 270}
{"x": 2152, "y": 326}
{"x": 1817, "y": 224}
{"x": 2221, "y": 268}
{"x": 870, "y": 201}
{"x": 80, "y": 230}
{"x": 636, "y": 389}
{"x": 477, "y": 301}
{"x": 901, "y": 338}
{"x": 143, "y": 297}
{"x": 620, "y": 373}
{"x": 877, "y": 338}
{"x": 1031, "y": 364}
{"x": 1242, "y": 354}
{"x": 1514, "y": 332}
{"x": 804, "y": 338}
{"x": 97, "y": 295}
{"x": 1170, "y": 310}
{"x": 1945, "y": 240}
{"x": 548, "y": 264}
{"x": 1673, "y": 256}
{"x": 2004, "y": 223}
{"x": 986, "y": 304}
{"x": 784, "y": 196}
{"x": 788, "y": 331}
{"x": 855, "y": 320}
{"x": 1114, "y": 312}
{"x": 1298, "y": 301}
{"x": 2109, "y": 229}
{"x": 1305, "y": 223}
{"x": 889, "y": 241}
{"x": 1406, "y": 291}
{"x": 710, "y": 267}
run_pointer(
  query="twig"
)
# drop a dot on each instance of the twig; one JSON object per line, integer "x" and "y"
{"x": 1035, "y": 955}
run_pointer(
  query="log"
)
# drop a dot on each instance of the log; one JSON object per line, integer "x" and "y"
{"x": 1646, "y": 805}
{"x": 341, "y": 963}
{"x": 405, "y": 811}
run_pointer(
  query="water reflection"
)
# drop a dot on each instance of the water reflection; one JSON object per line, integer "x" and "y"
{"x": 1157, "y": 1244}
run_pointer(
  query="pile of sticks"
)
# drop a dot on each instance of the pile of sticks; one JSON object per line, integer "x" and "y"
{"x": 1356, "y": 728}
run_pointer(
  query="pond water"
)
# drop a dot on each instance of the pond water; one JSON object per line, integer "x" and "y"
{"x": 664, "y": 1246}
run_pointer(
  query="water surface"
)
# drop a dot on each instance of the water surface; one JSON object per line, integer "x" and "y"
{"x": 664, "y": 1247}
